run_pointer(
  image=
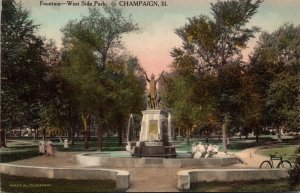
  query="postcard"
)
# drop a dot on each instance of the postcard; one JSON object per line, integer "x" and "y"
{"x": 150, "y": 96}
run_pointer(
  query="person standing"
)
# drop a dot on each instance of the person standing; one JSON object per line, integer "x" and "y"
{"x": 42, "y": 146}
{"x": 49, "y": 148}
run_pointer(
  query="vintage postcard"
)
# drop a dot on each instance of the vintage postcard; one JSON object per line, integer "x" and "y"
{"x": 150, "y": 96}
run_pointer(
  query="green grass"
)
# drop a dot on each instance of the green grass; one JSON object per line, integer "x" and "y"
{"x": 283, "y": 149}
{"x": 109, "y": 144}
{"x": 243, "y": 186}
{"x": 236, "y": 144}
{"x": 24, "y": 184}
{"x": 18, "y": 151}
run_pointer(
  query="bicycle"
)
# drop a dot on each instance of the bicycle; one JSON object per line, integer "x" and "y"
{"x": 270, "y": 164}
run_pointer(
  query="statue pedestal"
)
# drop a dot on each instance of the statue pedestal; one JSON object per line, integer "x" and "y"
{"x": 152, "y": 123}
{"x": 154, "y": 136}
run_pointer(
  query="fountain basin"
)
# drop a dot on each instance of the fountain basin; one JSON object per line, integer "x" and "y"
{"x": 124, "y": 159}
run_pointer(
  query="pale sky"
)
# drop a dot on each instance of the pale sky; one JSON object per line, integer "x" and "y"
{"x": 153, "y": 44}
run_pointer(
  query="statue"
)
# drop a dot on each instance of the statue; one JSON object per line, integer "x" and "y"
{"x": 152, "y": 94}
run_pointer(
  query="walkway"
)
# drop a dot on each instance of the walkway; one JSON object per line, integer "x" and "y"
{"x": 251, "y": 157}
{"x": 142, "y": 179}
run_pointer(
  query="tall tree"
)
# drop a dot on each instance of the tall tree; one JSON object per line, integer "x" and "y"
{"x": 80, "y": 71}
{"x": 22, "y": 66}
{"x": 128, "y": 92}
{"x": 278, "y": 57}
{"x": 216, "y": 43}
{"x": 102, "y": 30}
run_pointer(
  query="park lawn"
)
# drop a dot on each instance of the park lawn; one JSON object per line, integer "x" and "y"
{"x": 17, "y": 152}
{"x": 281, "y": 150}
{"x": 243, "y": 186}
{"x": 109, "y": 144}
{"x": 236, "y": 144}
{"x": 19, "y": 184}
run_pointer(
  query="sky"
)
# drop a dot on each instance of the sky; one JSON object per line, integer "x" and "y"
{"x": 156, "y": 39}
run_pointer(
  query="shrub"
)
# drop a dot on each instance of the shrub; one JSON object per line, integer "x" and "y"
{"x": 294, "y": 174}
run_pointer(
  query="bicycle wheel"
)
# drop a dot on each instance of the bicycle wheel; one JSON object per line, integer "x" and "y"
{"x": 265, "y": 164}
{"x": 284, "y": 164}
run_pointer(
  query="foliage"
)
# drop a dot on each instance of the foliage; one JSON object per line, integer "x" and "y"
{"x": 127, "y": 94}
{"x": 275, "y": 66}
{"x": 212, "y": 47}
{"x": 294, "y": 174}
{"x": 96, "y": 71}
{"x": 27, "y": 62}
{"x": 102, "y": 30}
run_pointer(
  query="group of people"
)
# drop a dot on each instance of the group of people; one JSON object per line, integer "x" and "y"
{"x": 46, "y": 147}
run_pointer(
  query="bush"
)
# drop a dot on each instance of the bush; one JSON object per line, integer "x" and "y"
{"x": 294, "y": 174}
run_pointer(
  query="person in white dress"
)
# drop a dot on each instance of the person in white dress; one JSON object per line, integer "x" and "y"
{"x": 42, "y": 147}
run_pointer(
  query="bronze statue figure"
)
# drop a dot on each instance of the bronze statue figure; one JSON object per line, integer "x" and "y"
{"x": 152, "y": 94}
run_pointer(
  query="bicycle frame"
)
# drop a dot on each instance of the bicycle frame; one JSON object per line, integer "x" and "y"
{"x": 274, "y": 157}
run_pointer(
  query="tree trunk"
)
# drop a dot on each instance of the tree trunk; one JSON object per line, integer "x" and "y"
{"x": 2, "y": 137}
{"x": 100, "y": 132}
{"x": 246, "y": 133}
{"x": 100, "y": 137}
{"x": 89, "y": 131}
{"x": 225, "y": 126}
{"x": 207, "y": 136}
{"x": 120, "y": 132}
{"x": 85, "y": 127}
{"x": 241, "y": 130}
{"x": 224, "y": 137}
{"x": 257, "y": 133}
{"x": 35, "y": 134}
{"x": 279, "y": 134}
{"x": 72, "y": 136}
{"x": 44, "y": 134}
{"x": 188, "y": 136}
{"x": 73, "y": 131}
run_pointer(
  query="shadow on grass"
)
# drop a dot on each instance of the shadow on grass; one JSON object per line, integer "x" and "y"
{"x": 25, "y": 184}
{"x": 243, "y": 186}
{"x": 14, "y": 154}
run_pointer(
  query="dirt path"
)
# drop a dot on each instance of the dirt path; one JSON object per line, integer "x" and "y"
{"x": 251, "y": 157}
{"x": 153, "y": 180}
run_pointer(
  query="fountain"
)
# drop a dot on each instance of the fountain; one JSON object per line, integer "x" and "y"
{"x": 154, "y": 143}
{"x": 155, "y": 132}
{"x": 154, "y": 138}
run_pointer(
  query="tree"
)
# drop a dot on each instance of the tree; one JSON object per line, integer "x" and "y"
{"x": 23, "y": 70}
{"x": 276, "y": 61}
{"x": 252, "y": 99}
{"x": 102, "y": 30}
{"x": 128, "y": 91}
{"x": 218, "y": 42}
{"x": 80, "y": 71}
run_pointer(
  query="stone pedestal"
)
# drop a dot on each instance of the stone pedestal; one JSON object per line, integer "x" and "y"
{"x": 152, "y": 124}
{"x": 154, "y": 137}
